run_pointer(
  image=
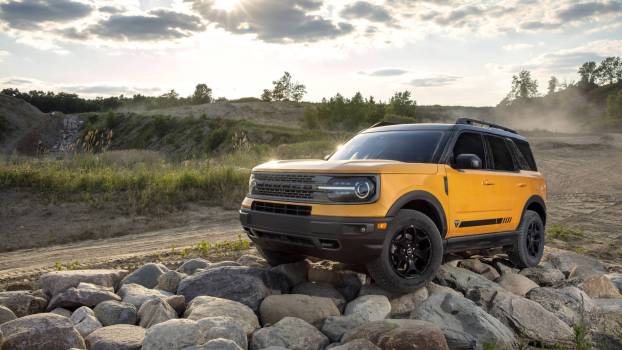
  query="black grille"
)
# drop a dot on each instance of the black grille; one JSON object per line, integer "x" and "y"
{"x": 285, "y": 177}
{"x": 279, "y": 208}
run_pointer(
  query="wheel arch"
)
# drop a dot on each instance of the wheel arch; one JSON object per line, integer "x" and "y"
{"x": 535, "y": 203}
{"x": 424, "y": 202}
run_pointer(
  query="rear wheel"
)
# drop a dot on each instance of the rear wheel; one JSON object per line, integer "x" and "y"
{"x": 529, "y": 245}
{"x": 275, "y": 258}
{"x": 411, "y": 254}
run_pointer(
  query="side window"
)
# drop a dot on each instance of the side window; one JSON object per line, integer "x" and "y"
{"x": 501, "y": 155}
{"x": 470, "y": 143}
{"x": 525, "y": 151}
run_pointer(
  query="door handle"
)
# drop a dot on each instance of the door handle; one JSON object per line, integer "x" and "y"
{"x": 487, "y": 183}
{"x": 521, "y": 184}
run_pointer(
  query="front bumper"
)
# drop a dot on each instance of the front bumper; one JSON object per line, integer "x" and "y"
{"x": 348, "y": 240}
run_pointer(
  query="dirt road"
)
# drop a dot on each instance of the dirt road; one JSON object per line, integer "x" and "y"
{"x": 584, "y": 175}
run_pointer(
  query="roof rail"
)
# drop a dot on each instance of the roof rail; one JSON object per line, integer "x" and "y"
{"x": 382, "y": 123}
{"x": 469, "y": 121}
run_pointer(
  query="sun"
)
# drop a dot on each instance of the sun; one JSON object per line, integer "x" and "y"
{"x": 226, "y": 5}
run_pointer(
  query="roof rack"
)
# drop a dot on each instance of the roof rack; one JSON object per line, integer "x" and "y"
{"x": 469, "y": 121}
{"x": 382, "y": 123}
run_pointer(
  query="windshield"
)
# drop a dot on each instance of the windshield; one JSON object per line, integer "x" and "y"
{"x": 414, "y": 146}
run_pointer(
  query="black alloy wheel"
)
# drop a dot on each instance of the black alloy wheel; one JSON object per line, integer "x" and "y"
{"x": 410, "y": 252}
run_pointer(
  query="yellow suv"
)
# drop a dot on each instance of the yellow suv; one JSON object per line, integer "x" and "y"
{"x": 396, "y": 198}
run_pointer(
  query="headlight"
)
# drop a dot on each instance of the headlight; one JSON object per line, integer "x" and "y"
{"x": 251, "y": 183}
{"x": 350, "y": 189}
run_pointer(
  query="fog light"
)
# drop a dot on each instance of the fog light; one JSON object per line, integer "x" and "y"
{"x": 382, "y": 225}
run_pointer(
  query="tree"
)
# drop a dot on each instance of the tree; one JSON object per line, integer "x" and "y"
{"x": 266, "y": 95}
{"x": 285, "y": 89}
{"x": 553, "y": 83}
{"x": 401, "y": 104}
{"x": 587, "y": 72}
{"x": 523, "y": 88}
{"x": 202, "y": 94}
{"x": 609, "y": 70}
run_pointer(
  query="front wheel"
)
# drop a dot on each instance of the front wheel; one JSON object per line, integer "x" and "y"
{"x": 411, "y": 255}
{"x": 529, "y": 245}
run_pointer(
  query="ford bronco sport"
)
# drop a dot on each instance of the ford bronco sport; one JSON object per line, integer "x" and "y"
{"x": 396, "y": 198}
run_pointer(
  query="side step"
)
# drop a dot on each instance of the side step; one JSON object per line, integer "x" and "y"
{"x": 483, "y": 241}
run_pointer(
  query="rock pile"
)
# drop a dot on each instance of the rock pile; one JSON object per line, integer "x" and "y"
{"x": 472, "y": 304}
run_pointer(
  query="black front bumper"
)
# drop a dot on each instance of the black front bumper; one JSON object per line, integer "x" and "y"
{"x": 349, "y": 240}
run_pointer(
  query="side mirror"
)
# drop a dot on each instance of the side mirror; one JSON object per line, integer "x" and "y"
{"x": 468, "y": 161}
{"x": 326, "y": 157}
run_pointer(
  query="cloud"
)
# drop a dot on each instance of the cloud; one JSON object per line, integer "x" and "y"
{"x": 91, "y": 89}
{"x": 31, "y": 14}
{"x": 3, "y": 54}
{"x": 386, "y": 72}
{"x": 366, "y": 10}
{"x": 441, "y": 80}
{"x": 110, "y": 9}
{"x": 275, "y": 20}
{"x": 521, "y": 46}
{"x": 584, "y": 10}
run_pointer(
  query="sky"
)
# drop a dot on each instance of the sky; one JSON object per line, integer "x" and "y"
{"x": 448, "y": 52}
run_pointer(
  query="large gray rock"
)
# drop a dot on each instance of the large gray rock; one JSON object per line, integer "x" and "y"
{"x": 319, "y": 289}
{"x": 217, "y": 344}
{"x": 177, "y": 302}
{"x": 357, "y": 344}
{"x": 206, "y": 306}
{"x": 169, "y": 281}
{"x": 463, "y": 279}
{"x": 57, "y": 281}
{"x": 84, "y": 321}
{"x": 244, "y": 284}
{"x": 370, "y": 307}
{"x": 147, "y": 275}
{"x": 599, "y": 286}
{"x": 62, "y": 312}
{"x": 569, "y": 304}
{"x": 465, "y": 325}
{"x": 296, "y": 273}
{"x": 116, "y": 337}
{"x": 404, "y": 304}
{"x": 174, "y": 335}
{"x": 400, "y": 334}
{"x": 136, "y": 294}
{"x": 290, "y": 332}
{"x": 544, "y": 275}
{"x": 478, "y": 266}
{"x": 155, "y": 311}
{"x": 517, "y": 284}
{"x": 115, "y": 312}
{"x": 335, "y": 326}
{"x": 6, "y": 314}
{"x": 310, "y": 309}
{"x": 434, "y": 288}
{"x": 75, "y": 297}
{"x": 43, "y": 331}
{"x": 525, "y": 317}
{"x": 224, "y": 328}
{"x": 190, "y": 266}
{"x": 616, "y": 279}
{"x": 575, "y": 265}
{"x": 252, "y": 260}
{"x": 23, "y": 303}
{"x": 347, "y": 282}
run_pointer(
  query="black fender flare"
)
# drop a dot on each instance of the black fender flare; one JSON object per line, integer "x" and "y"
{"x": 533, "y": 199}
{"x": 425, "y": 196}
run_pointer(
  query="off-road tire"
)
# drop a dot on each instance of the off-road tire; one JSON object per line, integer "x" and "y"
{"x": 275, "y": 258}
{"x": 381, "y": 268}
{"x": 520, "y": 254}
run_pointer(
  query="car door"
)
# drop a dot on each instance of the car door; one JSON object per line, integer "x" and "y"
{"x": 472, "y": 202}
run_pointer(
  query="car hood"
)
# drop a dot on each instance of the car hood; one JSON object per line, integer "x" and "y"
{"x": 347, "y": 167}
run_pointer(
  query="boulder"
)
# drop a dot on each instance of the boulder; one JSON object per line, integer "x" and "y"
{"x": 517, "y": 284}
{"x": 320, "y": 289}
{"x": 400, "y": 334}
{"x": 404, "y": 304}
{"x": 169, "y": 281}
{"x": 114, "y": 312}
{"x": 370, "y": 307}
{"x": 155, "y": 311}
{"x": 434, "y": 288}
{"x": 57, "y": 281}
{"x": 374, "y": 289}
{"x": 61, "y": 312}
{"x": 465, "y": 325}
{"x": 295, "y": 273}
{"x": 174, "y": 335}
{"x": 86, "y": 285}
{"x": 463, "y": 280}
{"x": 222, "y": 263}
{"x": 206, "y": 306}
{"x": 544, "y": 275}
{"x": 190, "y": 266}
{"x": 136, "y": 294}
{"x": 569, "y": 304}
{"x": 251, "y": 260}
{"x": 23, "y": 303}
{"x": 348, "y": 283}
{"x": 525, "y": 317}
{"x": 616, "y": 279}
{"x": 357, "y": 344}
{"x": 504, "y": 267}
{"x": 290, "y": 332}
{"x": 116, "y": 337}
{"x": 224, "y": 328}
{"x": 217, "y": 344}
{"x": 310, "y": 309}
{"x": 609, "y": 316}
{"x": 84, "y": 321}
{"x": 6, "y": 314}
{"x": 43, "y": 331}
{"x": 239, "y": 283}
{"x": 147, "y": 275}
{"x": 335, "y": 326}
{"x": 177, "y": 302}
{"x": 75, "y": 297}
{"x": 574, "y": 265}
{"x": 599, "y": 286}
{"x": 477, "y": 266}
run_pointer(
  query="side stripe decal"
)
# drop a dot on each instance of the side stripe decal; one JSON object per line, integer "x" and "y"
{"x": 484, "y": 222}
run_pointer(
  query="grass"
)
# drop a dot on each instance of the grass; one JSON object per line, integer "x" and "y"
{"x": 564, "y": 233}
